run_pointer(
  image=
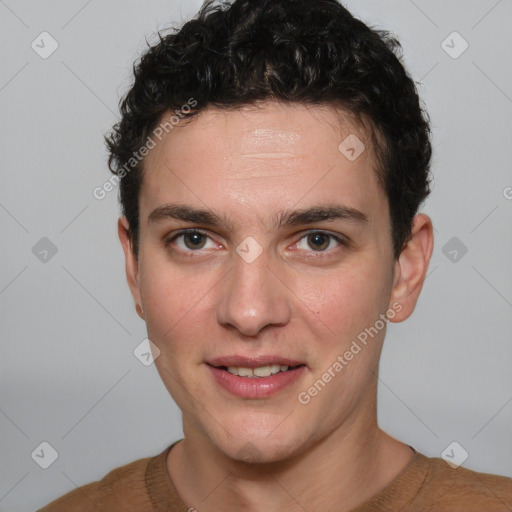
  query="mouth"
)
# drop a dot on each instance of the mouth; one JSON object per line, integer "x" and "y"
{"x": 258, "y": 372}
{"x": 255, "y": 378}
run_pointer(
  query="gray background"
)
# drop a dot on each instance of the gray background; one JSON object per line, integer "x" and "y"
{"x": 68, "y": 373}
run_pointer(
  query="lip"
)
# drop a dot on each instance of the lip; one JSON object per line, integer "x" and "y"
{"x": 259, "y": 387}
{"x": 252, "y": 362}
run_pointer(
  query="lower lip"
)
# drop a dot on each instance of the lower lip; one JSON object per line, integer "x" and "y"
{"x": 257, "y": 387}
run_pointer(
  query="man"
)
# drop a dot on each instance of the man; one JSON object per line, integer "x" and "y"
{"x": 272, "y": 157}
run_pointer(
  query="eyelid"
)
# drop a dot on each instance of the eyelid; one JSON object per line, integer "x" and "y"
{"x": 337, "y": 236}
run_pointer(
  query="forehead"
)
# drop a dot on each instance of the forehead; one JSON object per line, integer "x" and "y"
{"x": 261, "y": 157}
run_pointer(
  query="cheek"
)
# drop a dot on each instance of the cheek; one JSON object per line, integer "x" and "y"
{"x": 346, "y": 301}
{"x": 170, "y": 298}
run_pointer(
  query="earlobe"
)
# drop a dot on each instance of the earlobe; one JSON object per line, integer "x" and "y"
{"x": 411, "y": 267}
{"x": 131, "y": 263}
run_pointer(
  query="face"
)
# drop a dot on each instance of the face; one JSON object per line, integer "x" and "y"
{"x": 286, "y": 261}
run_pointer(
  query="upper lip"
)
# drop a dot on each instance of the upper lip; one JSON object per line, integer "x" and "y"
{"x": 252, "y": 362}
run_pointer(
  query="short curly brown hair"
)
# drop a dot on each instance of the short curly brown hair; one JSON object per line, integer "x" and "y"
{"x": 303, "y": 51}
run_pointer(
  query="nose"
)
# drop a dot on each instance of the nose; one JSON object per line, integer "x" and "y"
{"x": 253, "y": 296}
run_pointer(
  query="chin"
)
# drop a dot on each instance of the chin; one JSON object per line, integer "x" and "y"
{"x": 258, "y": 447}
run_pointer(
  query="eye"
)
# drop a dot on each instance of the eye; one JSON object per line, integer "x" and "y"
{"x": 191, "y": 240}
{"x": 319, "y": 241}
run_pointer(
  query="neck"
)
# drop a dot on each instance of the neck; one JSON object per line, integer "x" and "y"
{"x": 338, "y": 473}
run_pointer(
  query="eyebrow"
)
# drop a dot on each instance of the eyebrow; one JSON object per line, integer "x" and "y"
{"x": 281, "y": 219}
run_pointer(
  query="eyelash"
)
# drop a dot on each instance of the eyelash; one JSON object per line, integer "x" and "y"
{"x": 325, "y": 254}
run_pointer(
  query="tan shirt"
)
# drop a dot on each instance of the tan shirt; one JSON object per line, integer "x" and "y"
{"x": 426, "y": 485}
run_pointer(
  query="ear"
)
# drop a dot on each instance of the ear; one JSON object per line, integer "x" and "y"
{"x": 131, "y": 263}
{"x": 411, "y": 267}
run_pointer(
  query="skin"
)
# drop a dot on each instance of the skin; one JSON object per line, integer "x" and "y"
{"x": 301, "y": 298}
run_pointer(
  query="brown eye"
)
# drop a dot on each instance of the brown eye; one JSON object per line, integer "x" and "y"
{"x": 194, "y": 240}
{"x": 190, "y": 241}
{"x": 319, "y": 241}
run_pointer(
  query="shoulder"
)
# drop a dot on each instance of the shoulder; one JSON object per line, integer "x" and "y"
{"x": 120, "y": 487}
{"x": 463, "y": 489}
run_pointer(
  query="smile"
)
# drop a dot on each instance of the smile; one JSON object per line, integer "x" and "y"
{"x": 255, "y": 380}
{"x": 261, "y": 371}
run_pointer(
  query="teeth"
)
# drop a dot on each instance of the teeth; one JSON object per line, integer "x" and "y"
{"x": 262, "y": 371}
{"x": 244, "y": 372}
